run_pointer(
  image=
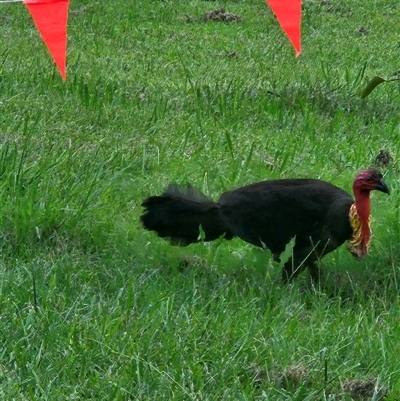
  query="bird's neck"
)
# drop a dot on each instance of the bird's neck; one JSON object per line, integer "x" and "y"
{"x": 360, "y": 223}
{"x": 363, "y": 206}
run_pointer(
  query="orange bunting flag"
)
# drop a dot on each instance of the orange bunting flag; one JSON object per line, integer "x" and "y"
{"x": 50, "y": 17}
{"x": 288, "y": 13}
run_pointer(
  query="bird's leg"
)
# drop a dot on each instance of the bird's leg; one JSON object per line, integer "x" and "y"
{"x": 315, "y": 272}
{"x": 290, "y": 271}
{"x": 287, "y": 273}
{"x": 292, "y": 268}
{"x": 302, "y": 258}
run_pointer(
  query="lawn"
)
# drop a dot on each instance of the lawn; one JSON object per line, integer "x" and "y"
{"x": 93, "y": 307}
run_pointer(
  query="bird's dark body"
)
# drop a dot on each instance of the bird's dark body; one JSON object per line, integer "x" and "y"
{"x": 273, "y": 212}
{"x": 266, "y": 214}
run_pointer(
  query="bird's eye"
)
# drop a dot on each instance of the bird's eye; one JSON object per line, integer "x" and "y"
{"x": 369, "y": 179}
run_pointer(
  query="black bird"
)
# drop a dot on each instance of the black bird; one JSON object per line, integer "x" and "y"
{"x": 269, "y": 214}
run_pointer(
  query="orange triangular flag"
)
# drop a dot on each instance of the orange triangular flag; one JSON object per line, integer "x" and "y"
{"x": 288, "y": 13}
{"x": 50, "y": 17}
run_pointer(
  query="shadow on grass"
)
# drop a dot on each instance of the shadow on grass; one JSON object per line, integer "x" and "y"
{"x": 262, "y": 281}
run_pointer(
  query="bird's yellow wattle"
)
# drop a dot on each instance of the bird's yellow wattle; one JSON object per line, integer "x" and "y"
{"x": 360, "y": 241}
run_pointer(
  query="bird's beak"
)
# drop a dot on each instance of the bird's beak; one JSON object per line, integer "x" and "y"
{"x": 381, "y": 186}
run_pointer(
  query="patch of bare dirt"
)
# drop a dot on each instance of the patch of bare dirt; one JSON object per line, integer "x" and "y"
{"x": 363, "y": 31}
{"x": 383, "y": 159}
{"x": 221, "y": 15}
{"x": 364, "y": 390}
{"x": 293, "y": 377}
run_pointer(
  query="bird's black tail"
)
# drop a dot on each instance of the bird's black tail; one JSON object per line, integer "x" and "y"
{"x": 179, "y": 213}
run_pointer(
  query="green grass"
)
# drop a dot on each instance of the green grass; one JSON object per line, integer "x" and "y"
{"x": 93, "y": 307}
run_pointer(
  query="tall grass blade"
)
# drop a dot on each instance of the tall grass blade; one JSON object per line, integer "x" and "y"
{"x": 229, "y": 143}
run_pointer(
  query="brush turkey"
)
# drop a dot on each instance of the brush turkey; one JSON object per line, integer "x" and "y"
{"x": 319, "y": 215}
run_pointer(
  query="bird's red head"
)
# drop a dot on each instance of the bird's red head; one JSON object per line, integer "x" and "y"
{"x": 365, "y": 182}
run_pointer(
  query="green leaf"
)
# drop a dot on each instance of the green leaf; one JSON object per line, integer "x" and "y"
{"x": 288, "y": 252}
{"x": 372, "y": 84}
{"x": 202, "y": 234}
